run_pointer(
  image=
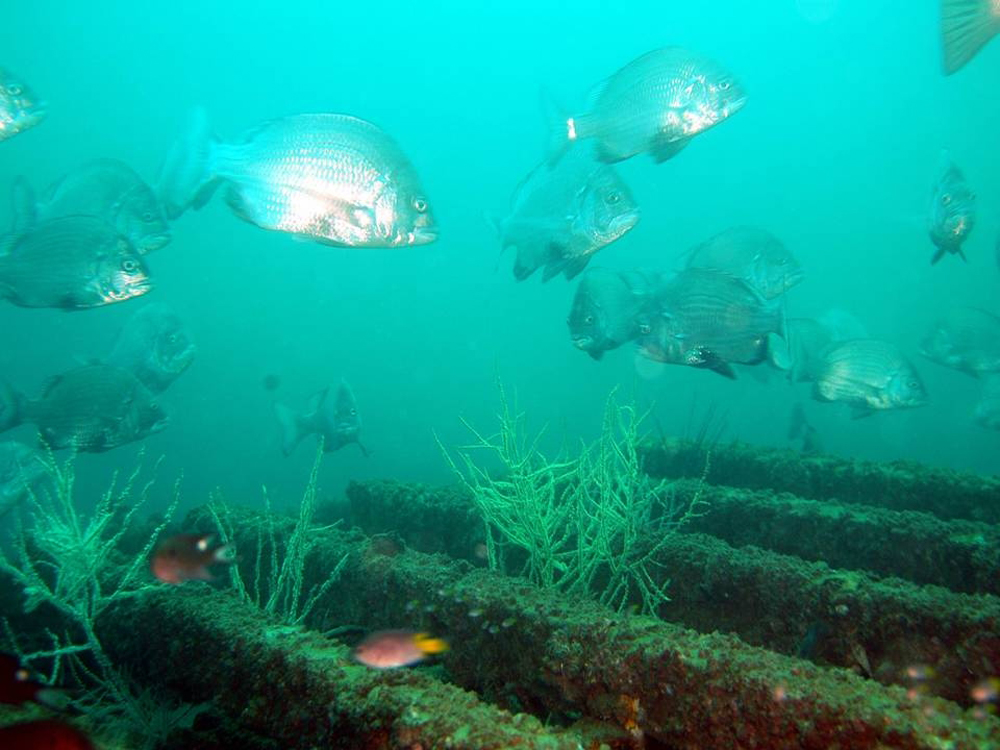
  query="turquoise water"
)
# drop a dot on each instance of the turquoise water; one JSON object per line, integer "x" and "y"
{"x": 835, "y": 153}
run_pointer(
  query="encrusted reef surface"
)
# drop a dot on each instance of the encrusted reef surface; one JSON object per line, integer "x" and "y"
{"x": 528, "y": 649}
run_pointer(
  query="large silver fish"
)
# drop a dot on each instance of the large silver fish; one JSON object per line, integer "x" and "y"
{"x": 966, "y": 26}
{"x": 706, "y": 318}
{"x": 561, "y": 215}
{"x": 607, "y": 309}
{"x": 92, "y": 408}
{"x": 155, "y": 346}
{"x": 952, "y": 212}
{"x": 655, "y": 104}
{"x": 20, "y": 109}
{"x": 71, "y": 263}
{"x": 105, "y": 188}
{"x": 752, "y": 254}
{"x": 966, "y": 339}
{"x": 332, "y": 178}
{"x": 335, "y": 419}
{"x": 868, "y": 375}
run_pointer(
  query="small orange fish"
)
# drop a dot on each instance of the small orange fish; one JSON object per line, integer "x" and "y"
{"x": 187, "y": 557}
{"x": 17, "y": 687}
{"x": 388, "y": 649}
{"x": 50, "y": 734}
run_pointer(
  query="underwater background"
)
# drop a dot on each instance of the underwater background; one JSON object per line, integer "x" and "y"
{"x": 835, "y": 153}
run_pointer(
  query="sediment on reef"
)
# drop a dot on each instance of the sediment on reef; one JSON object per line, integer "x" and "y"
{"x": 899, "y": 485}
{"x": 519, "y": 646}
{"x": 301, "y": 690}
{"x": 880, "y": 628}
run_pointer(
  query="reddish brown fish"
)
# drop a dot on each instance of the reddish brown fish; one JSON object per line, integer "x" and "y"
{"x": 388, "y": 649}
{"x": 50, "y": 734}
{"x": 187, "y": 557}
{"x": 17, "y": 687}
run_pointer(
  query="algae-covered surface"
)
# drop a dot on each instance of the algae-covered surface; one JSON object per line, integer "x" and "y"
{"x": 771, "y": 634}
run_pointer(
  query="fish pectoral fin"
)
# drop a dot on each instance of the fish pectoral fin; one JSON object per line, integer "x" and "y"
{"x": 938, "y": 255}
{"x": 574, "y": 266}
{"x": 661, "y": 151}
{"x": 966, "y": 25}
{"x": 860, "y": 412}
{"x": 702, "y": 357}
{"x": 961, "y": 254}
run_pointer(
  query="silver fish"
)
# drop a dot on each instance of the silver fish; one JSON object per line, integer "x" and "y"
{"x": 952, "y": 212}
{"x": 752, "y": 254}
{"x": 561, "y": 215}
{"x": 71, "y": 263}
{"x": 606, "y": 310}
{"x": 800, "y": 349}
{"x": 155, "y": 346}
{"x": 335, "y": 419}
{"x": 93, "y": 408}
{"x": 20, "y": 109}
{"x": 966, "y": 26}
{"x": 332, "y": 178}
{"x": 966, "y": 339}
{"x": 656, "y": 103}
{"x": 105, "y": 188}
{"x": 706, "y": 318}
{"x": 987, "y": 410}
{"x": 869, "y": 375}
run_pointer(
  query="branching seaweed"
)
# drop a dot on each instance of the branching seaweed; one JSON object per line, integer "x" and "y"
{"x": 595, "y": 523}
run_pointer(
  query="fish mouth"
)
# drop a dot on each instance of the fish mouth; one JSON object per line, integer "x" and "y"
{"x": 422, "y": 236}
{"x": 583, "y": 342}
{"x": 734, "y": 104}
{"x": 623, "y": 223}
{"x": 152, "y": 242}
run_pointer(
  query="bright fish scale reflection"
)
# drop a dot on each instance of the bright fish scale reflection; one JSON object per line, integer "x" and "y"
{"x": 20, "y": 109}
{"x": 868, "y": 375}
{"x": 332, "y": 178}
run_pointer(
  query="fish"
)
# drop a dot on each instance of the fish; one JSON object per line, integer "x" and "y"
{"x": 335, "y": 420}
{"x": 561, "y": 215}
{"x": 20, "y": 108}
{"x": 22, "y": 471}
{"x": 966, "y": 27}
{"x": 952, "y": 213}
{"x": 799, "y": 350}
{"x": 800, "y": 429}
{"x": 606, "y": 310}
{"x": 155, "y": 346}
{"x": 987, "y": 411}
{"x": 51, "y": 734}
{"x": 105, "y": 188}
{"x": 71, "y": 263}
{"x": 332, "y": 178}
{"x": 869, "y": 375}
{"x": 389, "y": 649}
{"x": 271, "y": 382}
{"x": 754, "y": 255}
{"x": 92, "y": 408}
{"x": 706, "y": 318}
{"x": 188, "y": 557}
{"x": 966, "y": 339}
{"x": 17, "y": 687}
{"x": 657, "y": 103}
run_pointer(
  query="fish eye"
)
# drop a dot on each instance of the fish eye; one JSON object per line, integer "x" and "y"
{"x": 613, "y": 198}
{"x": 13, "y": 89}
{"x": 724, "y": 86}
{"x": 129, "y": 266}
{"x": 589, "y": 320}
{"x": 645, "y": 328}
{"x": 148, "y": 217}
{"x": 172, "y": 338}
{"x": 419, "y": 205}
{"x": 946, "y": 199}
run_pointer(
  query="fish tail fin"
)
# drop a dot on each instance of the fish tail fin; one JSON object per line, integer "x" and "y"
{"x": 561, "y": 128}
{"x": 12, "y": 407}
{"x": 225, "y": 554}
{"x": 430, "y": 645}
{"x": 495, "y": 223}
{"x": 293, "y": 428}
{"x": 779, "y": 352}
{"x": 961, "y": 254}
{"x": 186, "y": 177}
{"x": 23, "y": 206}
{"x": 966, "y": 25}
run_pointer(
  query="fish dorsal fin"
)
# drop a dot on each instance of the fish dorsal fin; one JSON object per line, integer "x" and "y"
{"x": 966, "y": 25}
{"x": 317, "y": 401}
{"x": 51, "y": 384}
{"x": 23, "y": 206}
